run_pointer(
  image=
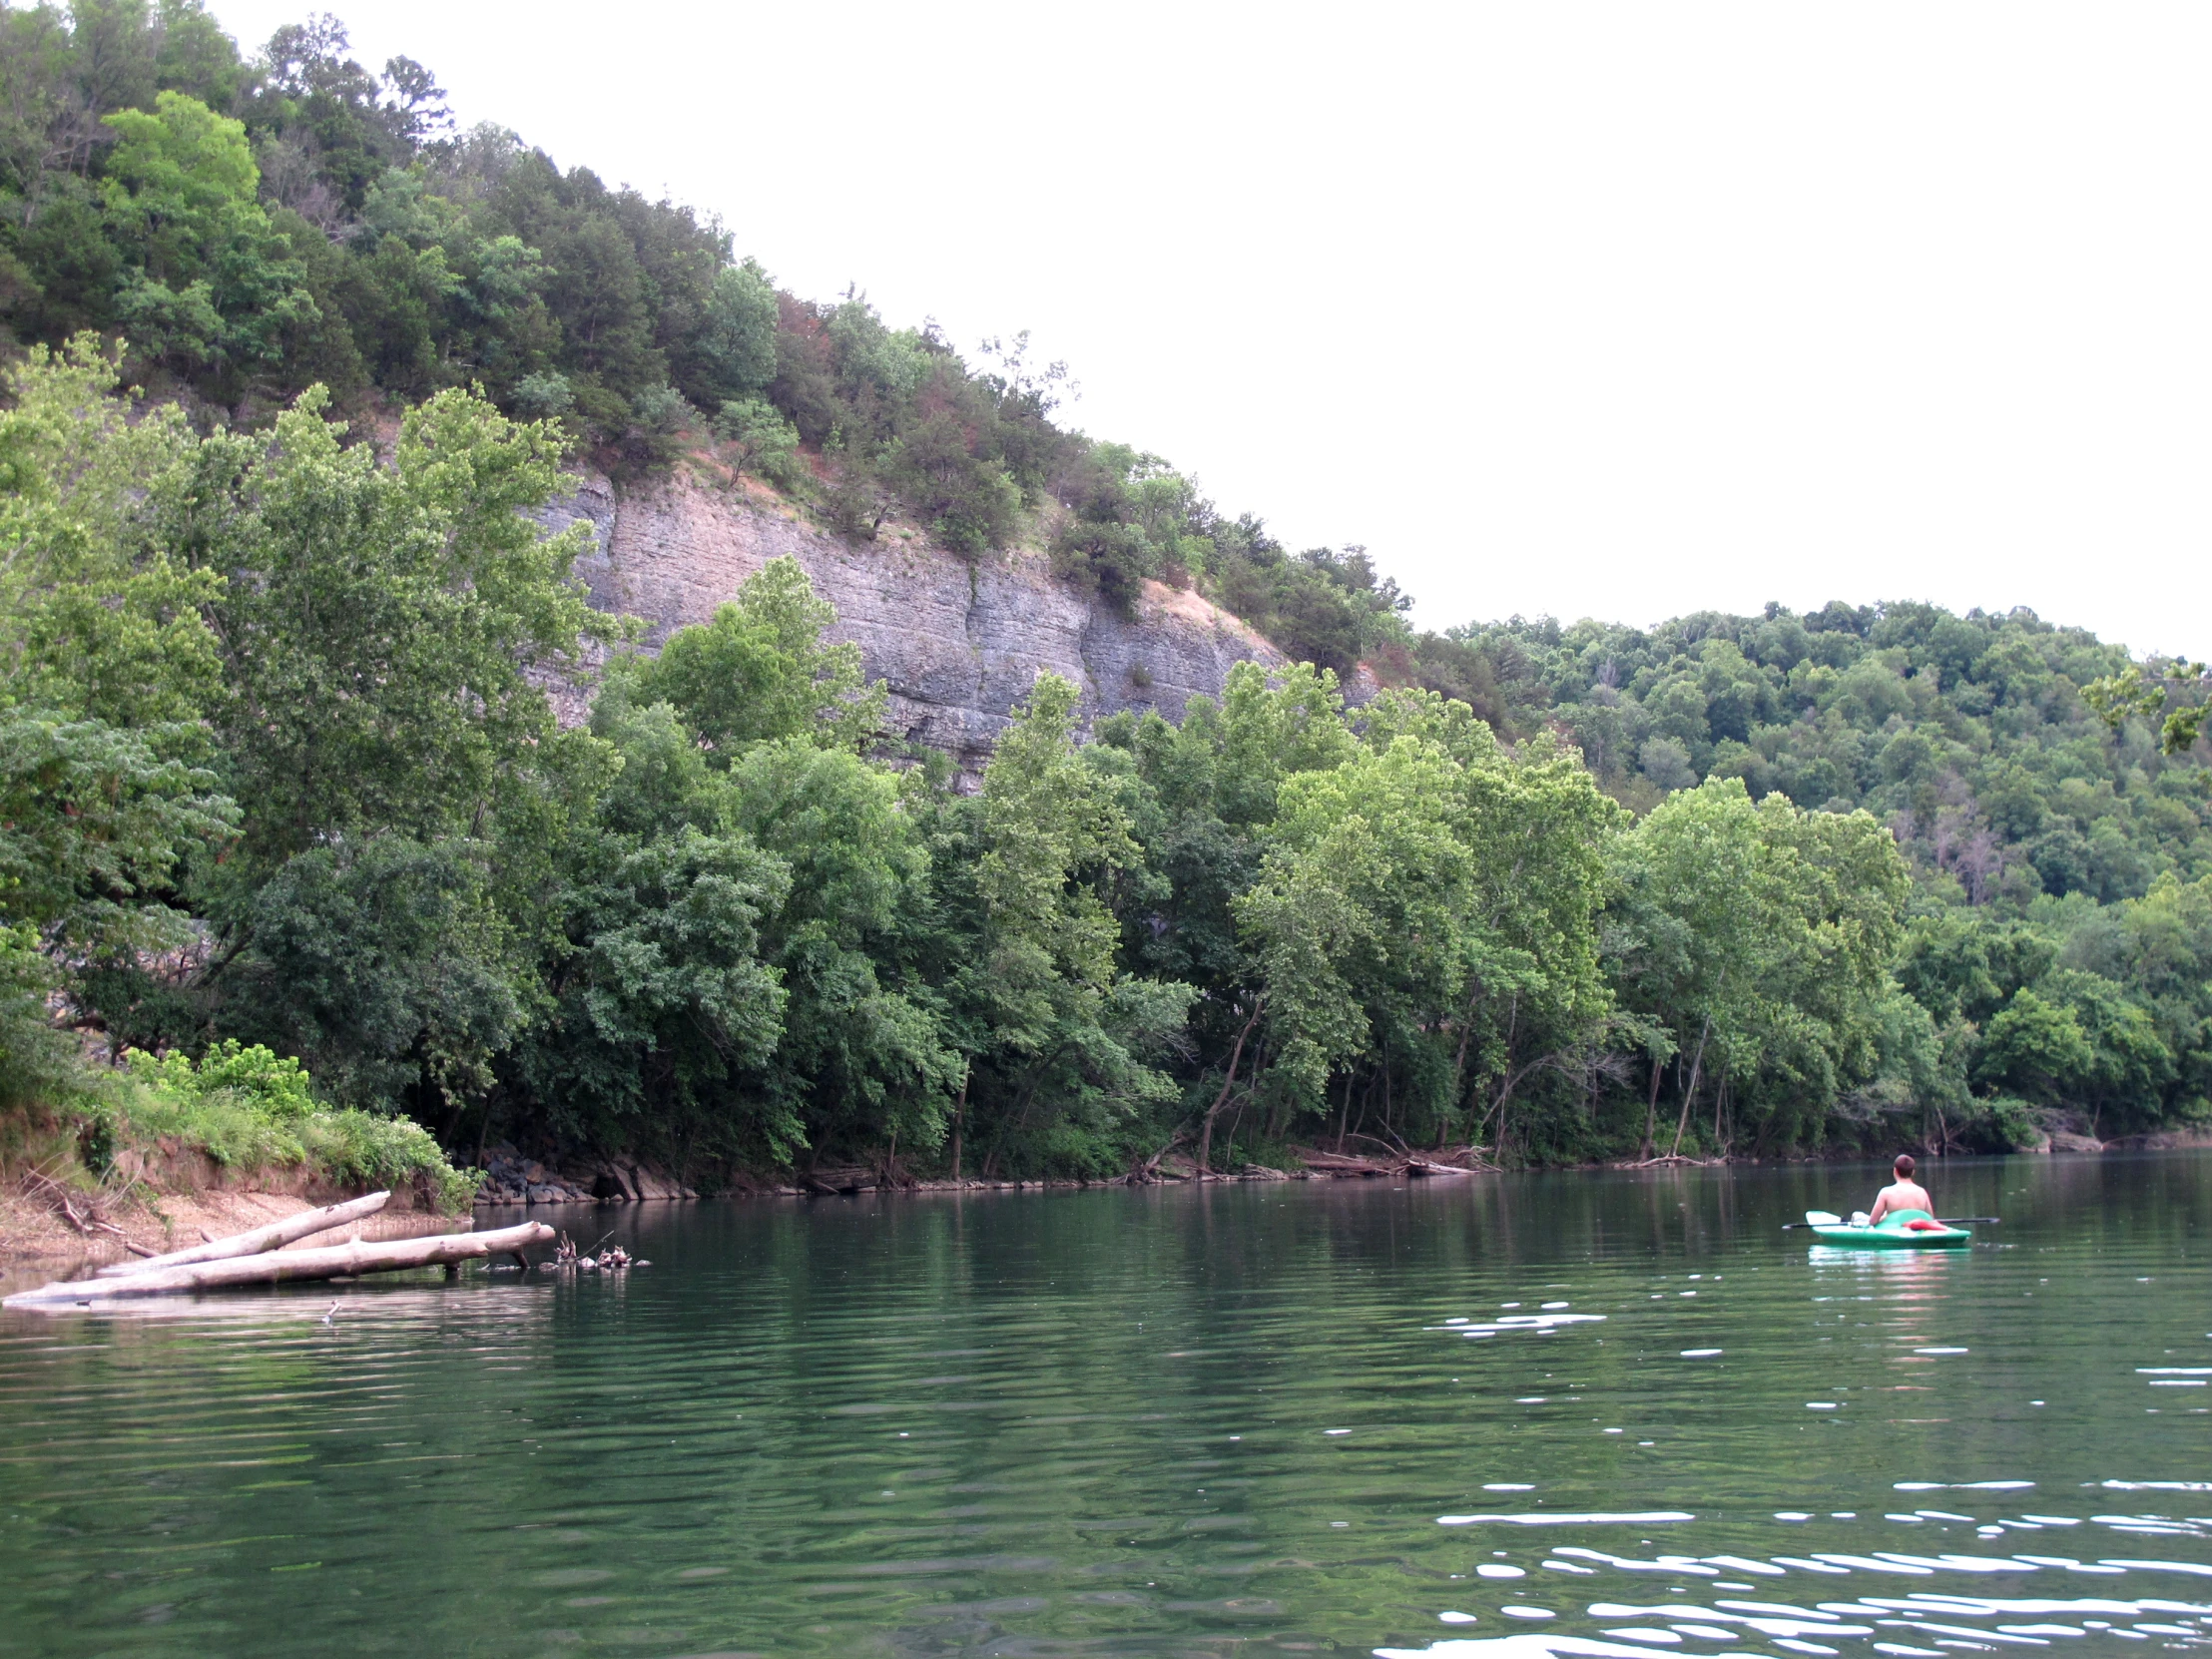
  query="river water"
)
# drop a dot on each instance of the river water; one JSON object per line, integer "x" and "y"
{"x": 1589, "y": 1413}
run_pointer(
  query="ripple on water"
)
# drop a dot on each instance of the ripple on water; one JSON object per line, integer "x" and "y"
{"x": 1099, "y": 1419}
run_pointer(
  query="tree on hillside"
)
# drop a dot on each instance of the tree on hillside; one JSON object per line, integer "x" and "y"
{"x": 1755, "y": 943}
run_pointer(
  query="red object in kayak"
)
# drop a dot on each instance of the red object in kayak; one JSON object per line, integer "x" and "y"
{"x": 1898, "y": 1230}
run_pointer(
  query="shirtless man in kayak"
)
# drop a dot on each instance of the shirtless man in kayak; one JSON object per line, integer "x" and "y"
{"x": 1902, "y": 1193}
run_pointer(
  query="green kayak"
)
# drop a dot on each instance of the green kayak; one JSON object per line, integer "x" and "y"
{"x": 1898, "y": 1230}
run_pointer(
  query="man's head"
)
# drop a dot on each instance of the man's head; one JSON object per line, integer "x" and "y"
{"x": 1904, "y": 1166}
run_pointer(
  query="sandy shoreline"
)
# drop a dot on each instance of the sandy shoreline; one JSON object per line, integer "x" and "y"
{"x": 37, "y": 1244}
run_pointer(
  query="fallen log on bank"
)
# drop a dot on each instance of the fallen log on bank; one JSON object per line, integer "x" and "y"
{"x": 262, "y": 1238}
{"x": 277, "y": 1267}
{"x": 1346, "y": 1165}
{"x": 1343, "y": 1164}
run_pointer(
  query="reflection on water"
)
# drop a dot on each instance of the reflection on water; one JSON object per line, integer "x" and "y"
{"x": 1577, "y": 1414}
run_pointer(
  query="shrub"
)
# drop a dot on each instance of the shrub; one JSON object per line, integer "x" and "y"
{"x": 967, "y": 499}
{"x": 544, "y": 397}
{"x": 277, "y": 1086}
{"x": 601, "y": 410}
{"x": 228, "y": 1127}
{"x": 854, "y": 504}
{"x": 661, "y": 409}
{"x": 1110, "y": 560}
{"x": 767, "y": 444}
{"x": 249, "y": 1108}
{"x": 370, "y": 1151}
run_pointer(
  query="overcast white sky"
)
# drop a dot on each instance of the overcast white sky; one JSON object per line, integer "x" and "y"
{"x": 1612, "y": 309}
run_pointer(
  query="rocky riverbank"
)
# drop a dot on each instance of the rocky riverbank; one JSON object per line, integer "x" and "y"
{"x": 515, "y": 1180}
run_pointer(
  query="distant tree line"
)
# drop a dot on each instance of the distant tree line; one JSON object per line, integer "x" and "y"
{"x": 2058, "y": 829}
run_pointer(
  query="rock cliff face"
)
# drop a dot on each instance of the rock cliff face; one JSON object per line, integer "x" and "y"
{"x": 957, "y": 643}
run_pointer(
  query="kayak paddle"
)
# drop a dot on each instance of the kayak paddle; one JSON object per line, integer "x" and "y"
{"x": 1821, "y": 1218}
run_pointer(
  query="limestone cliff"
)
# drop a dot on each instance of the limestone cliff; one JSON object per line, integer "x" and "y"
{"x": 958, "y": 643}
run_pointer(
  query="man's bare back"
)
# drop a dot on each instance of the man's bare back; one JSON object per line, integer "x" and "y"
{"x": 1902, "y": 1193}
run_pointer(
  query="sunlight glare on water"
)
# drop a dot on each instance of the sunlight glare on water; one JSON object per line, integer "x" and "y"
{"x": 1463, "y": 1420}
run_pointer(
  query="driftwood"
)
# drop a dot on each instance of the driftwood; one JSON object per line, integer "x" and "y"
{"x": 1344, "y": 1165}
{"x": 277, "y": 1267}
{"x": 64, "y": 1203}
{"x": 610, "y": 1258}
{"x": 1428, "y": 1166}
{"x": 260, "y": 1239}
{"x": 826, "y": 1180}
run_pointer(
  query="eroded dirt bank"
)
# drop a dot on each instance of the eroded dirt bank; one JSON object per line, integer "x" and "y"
{"x": 39, "y": 1241}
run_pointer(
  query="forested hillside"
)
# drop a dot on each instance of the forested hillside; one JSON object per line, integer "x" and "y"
{"x": 278, "y": 770}
{"x": 256, "y": 226}
{"x": 1967, "y": 736}
{"x": 2059, "y": 833}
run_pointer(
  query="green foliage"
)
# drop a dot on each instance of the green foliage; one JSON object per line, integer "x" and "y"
{"x": 662, "y": 1003}
{"x": 361, "y": 1149}
{"x": 2133, "y": 692}
{"x": 2050, "y": 833}
{"x": 182, "y": 170}
{"x": 1061, "y": 1039}
{"x": 256, "y": 227}
{"x": 248, "y": 1108}
{"x": 2009, "y": 756}
{"x": 1129, "y": 517}
{"x": 1755, "y": 943}
{"x": 715, "y": 928}
{"x": 661, "y": 409}
{"x": 1323, "y": 607}
{"x": 1049, "y": 821}
{"x": 99, "y": 604}
{"x": 92, "y": 824}
{"x": 737, "y": 348}
{"x": 732, "y": 982}
{"x": 344, "y": 647}
{"x": 2015, "y": 1121}
{"x": 387, "y": 964}
{"x": 277, "y": 766}
{"x": 36, "y": 1061}
{"x": 207, "y": 282}
{"x": 762, "y": 442}
{"x": 863, "y": 1050}
{"x": 544, "y": 397}
{"x": 102, "y": 799}
{"x": 1111, "y": 560}
{"x": 759, "y": 672}
{"x": 276, "y": 1088}
{"x": 1364, "y": 901}
{"x": 380, "y": 624}
{"x": 955, "y": 486}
